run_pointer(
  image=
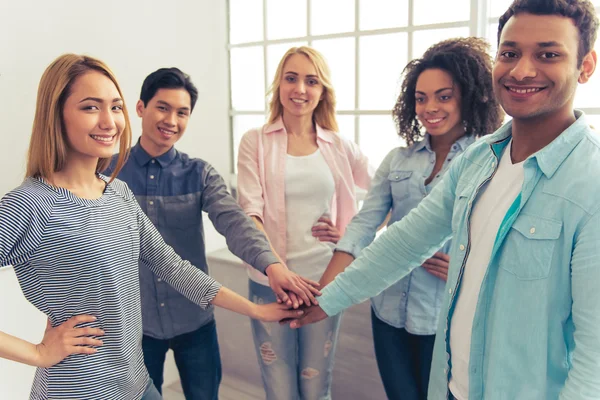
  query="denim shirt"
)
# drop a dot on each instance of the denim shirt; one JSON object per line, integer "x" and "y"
{"x": 536, "y": 329}
{"x": 173, "y": 190}
{"x": 414, "y": 302}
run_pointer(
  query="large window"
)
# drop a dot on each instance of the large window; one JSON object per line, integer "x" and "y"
{"x": 367, "y": 43}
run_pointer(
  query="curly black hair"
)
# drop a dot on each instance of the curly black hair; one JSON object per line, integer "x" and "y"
{"x": 470, "y": 66}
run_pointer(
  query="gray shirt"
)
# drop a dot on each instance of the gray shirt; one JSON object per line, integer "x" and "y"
{"x": 173, "y": 190}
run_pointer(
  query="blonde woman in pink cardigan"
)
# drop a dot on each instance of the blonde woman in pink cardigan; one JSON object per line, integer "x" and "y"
{"x": 296, "y": 179}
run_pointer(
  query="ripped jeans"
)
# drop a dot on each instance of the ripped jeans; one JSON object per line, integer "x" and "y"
{"x": 295, "y": 364}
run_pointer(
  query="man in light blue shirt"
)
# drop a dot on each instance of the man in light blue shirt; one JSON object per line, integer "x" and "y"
{"x": 532, "y": 330}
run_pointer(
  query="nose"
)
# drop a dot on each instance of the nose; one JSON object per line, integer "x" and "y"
{"x": 524, "y": 69}
{"x": 431, "y": 107}
{"x": 170, "y": 119}
{"x": 107, "y": 120}
{"x": 300, "y": 86}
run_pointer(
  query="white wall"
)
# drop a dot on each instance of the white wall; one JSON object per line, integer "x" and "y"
{"x": 134, "y": 37}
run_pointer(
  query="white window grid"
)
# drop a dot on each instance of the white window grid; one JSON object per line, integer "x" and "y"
{"x": 479, "y": 24}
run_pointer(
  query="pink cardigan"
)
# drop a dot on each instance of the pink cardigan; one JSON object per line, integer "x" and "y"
{"x": 261, "y": 177}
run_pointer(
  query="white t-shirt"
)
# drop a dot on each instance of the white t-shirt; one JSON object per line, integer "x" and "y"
{"x": 487, "y": 215}
{"x": 309, "y": 190}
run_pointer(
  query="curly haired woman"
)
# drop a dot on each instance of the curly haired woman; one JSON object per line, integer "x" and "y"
{"x": 445, "y": 103}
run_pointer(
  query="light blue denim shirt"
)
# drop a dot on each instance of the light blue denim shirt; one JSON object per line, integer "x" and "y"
{"x": 536, "y": 330}
{"x": 414, "y": 302}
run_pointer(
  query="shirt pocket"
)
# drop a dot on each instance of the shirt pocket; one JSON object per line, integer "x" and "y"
{"x": 400, "y": 184}
{"x": 461, "y": 202}
{"x": 529, "y": 247}
{"x": 180, "y": 212}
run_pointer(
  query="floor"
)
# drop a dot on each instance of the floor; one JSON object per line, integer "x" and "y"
{"x": 355, "y": 373}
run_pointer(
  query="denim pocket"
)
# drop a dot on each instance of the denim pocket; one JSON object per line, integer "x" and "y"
{"x": 528, "y": 248}
{"x": 400, "y": 184}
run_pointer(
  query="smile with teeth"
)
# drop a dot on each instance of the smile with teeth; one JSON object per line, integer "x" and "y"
{"x": 434, "y": 120}
{"x": 299, "y": 101}
{"x": 524, "y": 90}
{"x": 166, "y": 131}
{"x": 103, "y": 138}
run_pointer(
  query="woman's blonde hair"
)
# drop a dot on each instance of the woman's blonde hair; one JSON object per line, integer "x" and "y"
{"x": 48, "y": 145}
{"x": 324, "y": 114}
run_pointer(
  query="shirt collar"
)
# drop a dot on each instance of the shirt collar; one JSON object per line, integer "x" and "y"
{"x": 142, "y": 157}
{"x": 278, "y": 127}
{"x": 462, "y": 143}
{"x": 550, "y": 158}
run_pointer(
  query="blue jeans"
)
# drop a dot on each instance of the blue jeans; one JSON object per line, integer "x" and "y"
{"x": 151, "y": 393}
{"x": 295, "y": 364}
{"x": 197, "y": 357}
{"x": 404, "y": 360}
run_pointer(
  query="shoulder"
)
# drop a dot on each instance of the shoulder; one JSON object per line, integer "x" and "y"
{"x": 31, "y": 195}
{"x": 121, "y": 189}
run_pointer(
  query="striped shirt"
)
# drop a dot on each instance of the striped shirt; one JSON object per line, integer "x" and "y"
{"x": 77, "y": 256}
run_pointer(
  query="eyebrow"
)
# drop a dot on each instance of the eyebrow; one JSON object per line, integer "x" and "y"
{"x": 436, "y": 92}
{"x": 99, "y": 100}
{"x": 168, "y": 105}
{"x": 510, "y": 43}
{"x": 295, "y": 73}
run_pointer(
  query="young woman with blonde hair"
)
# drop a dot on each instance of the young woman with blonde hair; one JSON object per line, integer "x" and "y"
{"x": 75, "y": 236}
{"x": 296, "y": 179}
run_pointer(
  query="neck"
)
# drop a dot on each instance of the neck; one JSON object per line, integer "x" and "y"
{"x": 77, "y": 173}
{"x": 152, "y": 149}
{"x": 298, "y": 126}
{"x": 533, "y": 134}
{"x": 442, "y": 144}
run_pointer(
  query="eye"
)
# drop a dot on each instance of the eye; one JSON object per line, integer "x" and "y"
{"x": 508, "y": 54}
{"x": 313, "y": 82}
{"x": 290, "y": 78}
{"x": 162, "y": 108}
{"x": 118, "y": 108}
{"x": 183, "y": 114}
{"x": 445, "y": 98}
{"x": 420, "y": 99}
{"x": 549, "y": 55}
{"x": 90, "y": 108}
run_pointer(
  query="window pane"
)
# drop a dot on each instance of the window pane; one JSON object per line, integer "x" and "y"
{"x": 340, "y": 56}
{"x": 380, "y": 69}
{"x": 436, "y": 11}
{"x": 422, "y": 40}
{"x": 274, "y": 54}
{"x": 247, "y": 78}
{"x": 241, "y": 125}
{"x": 380, "y": 14}
{"x": 378, "y": 137}
{"x": 286, "y": 19}
{"x": 245, "y": 21}
{"x": 498, "y": 7}
{"x": 493, "y": 38}
{"x": 346, "y": 124}
{"x": 331, "y": 16}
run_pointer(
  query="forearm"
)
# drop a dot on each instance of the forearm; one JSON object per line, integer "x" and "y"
{"x": 232, "y": 301}
{"x": 261, "y": 228}
{"x": 19, "y": 350}
{"x": 337, "y": 265}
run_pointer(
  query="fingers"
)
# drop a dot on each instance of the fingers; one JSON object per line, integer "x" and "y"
{"x": 282, "y": 296}
{"x": 88, "y": 332}
{"x": 439, "y": 274}
{"x": 310, "y": 282}
{"x": 79, "y": 319}
{"x": 82, "y": 350}
{"x": 326, "y": 220}
{"x": 294, "y": 300}
{"x": 437, "y": 262}
{"x": 86, "y": 341}
{"x": 442, "y": 256}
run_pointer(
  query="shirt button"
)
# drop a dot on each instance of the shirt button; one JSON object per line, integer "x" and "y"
{"x": 151, "y": 203}
{"x": 445, "y": 371}
{"x": 162, "y": 304}
{"x": 396, "y": 177}
{"x": 153, "y": 161}
{"x": 450, "y": 290}
{"x": 532, "y": 230}
{"x": 159, "y": 280}
{"x": 462, "y": 247}
{"x": 403, "y": 294}
{"x": 151, "y": 176}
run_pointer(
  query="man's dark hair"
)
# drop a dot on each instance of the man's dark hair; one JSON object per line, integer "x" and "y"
{"x": 582, "y": 12}
{"x": 470, "y": 66}
{"x": 168, "y": 78}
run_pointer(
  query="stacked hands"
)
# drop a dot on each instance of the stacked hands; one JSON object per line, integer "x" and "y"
{"x": 296, "y": 304}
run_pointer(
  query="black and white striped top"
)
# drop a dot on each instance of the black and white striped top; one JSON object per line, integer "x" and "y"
{"x": 76, "y": 256}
